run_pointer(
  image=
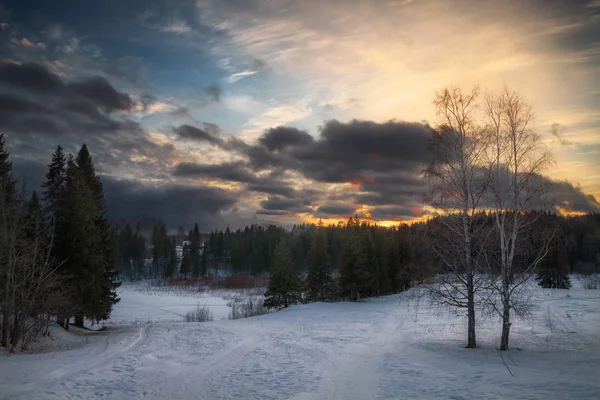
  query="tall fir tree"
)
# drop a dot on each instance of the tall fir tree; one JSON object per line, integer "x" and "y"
{"x": 54, "y": 185}
{"x": 194, "y": 249}
{"x": 284, "y": 282}
{"x": 319, "y": 281}
{"x": 107, "y": 282}
{"x": 186, "y": 266}
{"x": 553, "y": 271}
{"x": 7, "y": 203}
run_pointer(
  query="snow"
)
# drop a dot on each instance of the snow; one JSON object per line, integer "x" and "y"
{"x": 144, "y": 304}
{"x": 392, "y": 347}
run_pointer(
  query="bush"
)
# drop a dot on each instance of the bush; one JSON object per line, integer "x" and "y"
{"x": 251, "y": 307}
{"x": 591, "y": 282}
{"x": 199, "y": 314}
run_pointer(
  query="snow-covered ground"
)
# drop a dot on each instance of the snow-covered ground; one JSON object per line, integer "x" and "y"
{"x": 142, "y": 304}
{"x": 392, "y": 347}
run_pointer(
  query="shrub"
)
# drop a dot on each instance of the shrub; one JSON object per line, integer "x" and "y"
{"x": 199, "y": 314}
{"x": 591, "y": 282}
{"x": 251, "y": 307}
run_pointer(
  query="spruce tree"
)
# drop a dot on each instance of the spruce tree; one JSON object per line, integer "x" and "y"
{"x": 319, "y": 281}
{"x": 106, "y": 282}
{"x": 553, "y": 272}
{"x": 78, "y": 244}
{"x": 351, "y": 259}
{"x": 185, "y": 267}
{"x": 7, "y": 184}
{"x": 7, "y": 203}
{"x": 54, "y": 185}
{"x": 171, "y": 266}
{"x": 194, "y": 249}
{"x": 284, "y": 282}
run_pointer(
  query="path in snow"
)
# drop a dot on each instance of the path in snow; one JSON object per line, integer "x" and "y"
{"x": 384, "y": 348}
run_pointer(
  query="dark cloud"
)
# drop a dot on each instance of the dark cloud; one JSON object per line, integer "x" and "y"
{"x": 39, "y": 110}
{"x": 36, "y": 79}
{"x": 174, "y": 204}
{"x": 572, "y": 198}
{"x": 258, "y": 64}
{"x": 336, "y": 209}
{"x": 281, "y": 204}
{"x": 283, "y": 137}
{"x": 558, "y": 131}
{"x": 181, "y": 111}
{"x": 233, "y": 171}
{"x": 270, "y": 186}
{"x": 192, "y": 133}
{"x": 214, "y": 92}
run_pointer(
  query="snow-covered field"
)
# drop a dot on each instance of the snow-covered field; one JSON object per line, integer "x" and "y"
{"x": 392, "y": 347}
{"x": 142, "y": 304}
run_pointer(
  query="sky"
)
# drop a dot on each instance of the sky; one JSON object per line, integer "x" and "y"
{"x": 232, "y": 112}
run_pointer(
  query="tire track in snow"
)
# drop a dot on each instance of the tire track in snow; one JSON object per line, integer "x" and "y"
{"x": 57, "y": 371}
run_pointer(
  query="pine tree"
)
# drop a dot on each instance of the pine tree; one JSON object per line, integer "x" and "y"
{"x": 319, "y": 281}
{"x": 284, "y": 282}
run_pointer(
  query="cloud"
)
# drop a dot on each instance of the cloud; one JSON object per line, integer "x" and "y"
{"x": 193, "y": 133}
{"x": 39, "y": 110}
{"x": 277, "y": 205}
{"x": 228, "y": 171}
{"x": 174, "y": 204}
{"x": 214, "y": 92}
{"x": 571, "y": 198}
{"x": 26, "y": 43}
{"x": 177, "y": 26}
{"x": 336, "y": 210}
{"x": 557, "y": 131}
{"x": 35, "y": 78}
{"x": 281, "y": 137}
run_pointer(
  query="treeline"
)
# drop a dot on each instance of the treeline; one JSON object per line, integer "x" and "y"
{"x": 56, "y": 250}
{"x": 575, "y": 247}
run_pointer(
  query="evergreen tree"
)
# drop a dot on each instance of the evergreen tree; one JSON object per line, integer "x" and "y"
{"x": 319, "y": 281}
{"x": 194, "y": 249}
{"x": 352, "y": 257}
{"x": 54, "y": 185}
{"x": 106, "y": 283}
{"x": 171, "y": 265}
{"x": 284, "y": 282}
{"x": 185, "y": 261}
{"x": 7, "y": 211}
{"x": 7, "y": 184}
{"x": 78, "y": 244}
{"x": 553, "y": 272}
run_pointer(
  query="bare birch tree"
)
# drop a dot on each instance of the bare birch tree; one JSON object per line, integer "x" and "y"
{"x": 516, "y": 159}
{"x": 454, "y": 172}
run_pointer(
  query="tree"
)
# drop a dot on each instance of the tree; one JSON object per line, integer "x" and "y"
{"x": 352, "y": 256}
{"x": 454, "y": 171}
{"x": 197, "y": 267}
{"x": 553, "y": 270}
{"x": 9, "y": 222}
{"x": 185, "y": 260}
{"x": 516, "y": 159}
{"x": 284, "y": 282}
{"x": 54, "y": 185}
{"x": 319, "y": 281}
